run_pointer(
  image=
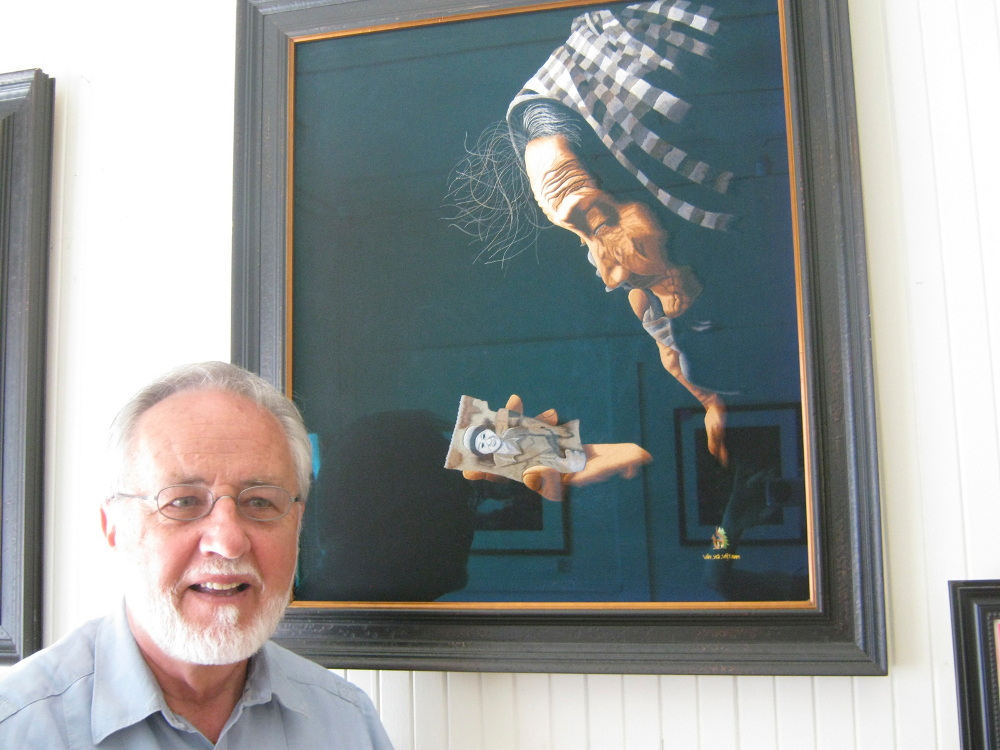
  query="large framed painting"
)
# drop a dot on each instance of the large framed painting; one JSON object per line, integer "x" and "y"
{"x": 25, "y": 171}
{"x": 572, "y": 298}
{"x": 975, "y": 621}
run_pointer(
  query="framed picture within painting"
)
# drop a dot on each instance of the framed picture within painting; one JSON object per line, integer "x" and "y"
{"x": 636, "y": 220}
{"x": 25, "y": 172}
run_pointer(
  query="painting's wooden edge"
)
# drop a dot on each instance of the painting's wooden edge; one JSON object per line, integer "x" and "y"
{"x": 26, "y": 174}
{"x": 851, "y": 636}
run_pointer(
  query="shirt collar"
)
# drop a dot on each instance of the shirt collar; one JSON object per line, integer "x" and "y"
{"x": 265, "y": 679}
{"x": 125, "y": 690}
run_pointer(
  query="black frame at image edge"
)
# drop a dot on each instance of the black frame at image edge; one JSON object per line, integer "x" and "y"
{"x": 846, "y": 634}
{"x": 974, "y": 607}
{"x": 26, "y": 103}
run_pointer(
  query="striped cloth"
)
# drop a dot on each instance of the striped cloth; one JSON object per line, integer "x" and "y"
{"x": 600, "y": 72}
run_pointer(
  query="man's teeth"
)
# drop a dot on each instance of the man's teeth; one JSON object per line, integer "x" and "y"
{"x": 219, "y": 586}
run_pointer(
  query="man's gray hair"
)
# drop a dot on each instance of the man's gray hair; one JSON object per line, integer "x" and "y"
{"x": 206, "y": 376}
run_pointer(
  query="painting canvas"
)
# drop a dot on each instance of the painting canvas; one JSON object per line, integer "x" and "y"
{"x": 589, "y": 207}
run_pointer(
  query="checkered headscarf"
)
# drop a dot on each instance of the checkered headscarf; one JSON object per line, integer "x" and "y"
{"x": 600, "y": 72}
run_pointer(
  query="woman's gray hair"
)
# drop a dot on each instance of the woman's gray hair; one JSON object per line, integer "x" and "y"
{"x": 488, "y": 192}
{"x": 206, "y": 376}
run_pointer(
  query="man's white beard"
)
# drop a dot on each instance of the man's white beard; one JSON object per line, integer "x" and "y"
{"x": 224, "y": 640}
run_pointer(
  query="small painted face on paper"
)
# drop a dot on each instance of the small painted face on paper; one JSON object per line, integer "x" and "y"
{"x": 488, "y": 442}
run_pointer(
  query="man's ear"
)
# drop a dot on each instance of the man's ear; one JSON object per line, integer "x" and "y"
{"x": 109, "y": 524}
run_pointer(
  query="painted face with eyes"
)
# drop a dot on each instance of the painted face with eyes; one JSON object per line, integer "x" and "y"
{"x": 487, "y": 442}
{"x": 625, "y": 240}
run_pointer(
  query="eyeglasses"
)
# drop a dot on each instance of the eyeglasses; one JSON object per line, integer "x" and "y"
{"x": 189, "y": 502}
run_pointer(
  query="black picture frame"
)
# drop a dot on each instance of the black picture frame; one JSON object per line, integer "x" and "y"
{"x": 845, "y": 633}
{"x": 26, "y": 101}
{"x": 975, "y": 616}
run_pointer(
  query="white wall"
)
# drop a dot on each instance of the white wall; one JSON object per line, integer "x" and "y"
{"x": 142, "y": 206}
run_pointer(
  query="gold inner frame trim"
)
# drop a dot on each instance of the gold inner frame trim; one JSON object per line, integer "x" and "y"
{"x": 550, "y": 606}
{"x": 799, "y": 303}
{"x": 811, "y": 603}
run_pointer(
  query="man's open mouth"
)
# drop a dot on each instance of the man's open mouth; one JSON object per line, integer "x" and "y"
{"x": 221, "y": 589}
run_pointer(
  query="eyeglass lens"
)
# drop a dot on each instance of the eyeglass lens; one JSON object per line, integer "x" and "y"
{"x": 189, "y": 502}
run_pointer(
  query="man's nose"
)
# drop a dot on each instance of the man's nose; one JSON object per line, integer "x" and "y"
{"x": 223, "y": 531}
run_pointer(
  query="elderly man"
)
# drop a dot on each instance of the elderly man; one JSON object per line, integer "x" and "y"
{"x": 212, "y": 471}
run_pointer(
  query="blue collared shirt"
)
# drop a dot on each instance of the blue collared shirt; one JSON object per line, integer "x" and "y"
{"x": 93, "y": 689}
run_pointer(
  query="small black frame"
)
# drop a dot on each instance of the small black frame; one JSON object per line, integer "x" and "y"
{"x": 26, "y": 100}
{"x": 845, "y": 633}
{"x": 975, "y": 614}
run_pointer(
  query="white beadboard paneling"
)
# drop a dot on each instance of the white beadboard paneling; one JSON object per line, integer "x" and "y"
{"x": 396, "y": 707}
{"x": 641, "y": 694}
{"x": 604, "y": 712}
{"x": 430, "y": 711}
{"x": 980, "y": 65}
{"x": 923, "y": 559}
{"x": 679, "y": 712}
{"x": 534, "y": 715}
{"x": 980, "y": 31}
{"x": 499, "y": 712}
{"x": 758, "y": 728}
{"x": 717, "y": 720}
{"x": 961, "y": 260}
{"x": 835, "y": 728}
{"x": 796, "y": 713}
{"x": 873, "y": 713}
{"x": 569, "y": 712}
{"x": 465, "y": 711}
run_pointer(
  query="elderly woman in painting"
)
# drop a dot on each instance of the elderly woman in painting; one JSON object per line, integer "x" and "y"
{"x": 612, "y": 77}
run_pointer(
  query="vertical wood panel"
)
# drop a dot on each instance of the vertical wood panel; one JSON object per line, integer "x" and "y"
{"x": 834, "y": 713}
{"x": 605, "y": 713}
{"x": 758, "y": 729}
{"x": 679, "y": 712}
{"x": 499, "y": 714}
{"x": 964, "y": 314}
{"x": 569, "y": 712}
{"x": 430, "y": 711}
{"x": 534, "y": 717}
{"x": 963, "y": 274}
{"x": 923, "y": 557}
{"x": 642, "y": 712}
{"x": 980, "y": 66}
{"x": 796, "y": 721}
{"x": 980, "y": 32}
{"x": 396, "y": 707}
{"x": 873, "y": 713}
{"x": 717, "y": 720}
{"x": 465, "y": 711}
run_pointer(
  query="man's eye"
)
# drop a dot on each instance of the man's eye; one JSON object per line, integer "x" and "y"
{"x": 256, "y": 502}
{"x": 188, "y": 501}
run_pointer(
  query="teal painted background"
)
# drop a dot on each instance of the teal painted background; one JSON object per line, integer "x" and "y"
{"x": 392, "y": 313}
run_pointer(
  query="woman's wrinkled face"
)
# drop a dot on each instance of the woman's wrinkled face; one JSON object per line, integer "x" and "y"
{"x": 623, "y": 238}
